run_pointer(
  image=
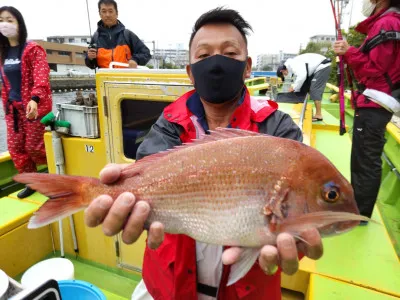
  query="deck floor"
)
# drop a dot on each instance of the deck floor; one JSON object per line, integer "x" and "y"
{"x": 365, "y": 251}
{"x": 114, "y": 286}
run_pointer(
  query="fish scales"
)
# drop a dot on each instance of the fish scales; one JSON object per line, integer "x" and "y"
{"x": 214, "y": 197}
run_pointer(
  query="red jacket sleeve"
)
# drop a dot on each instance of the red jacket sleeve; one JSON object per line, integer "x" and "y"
{"x": 378, "y": 61}
{"x": 41, "y": 73}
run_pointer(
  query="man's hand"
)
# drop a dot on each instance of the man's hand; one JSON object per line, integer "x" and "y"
{"x": 124, "y": 214}
{"x": 285, "y": 254}
{"x": 291, "y": 90}
{"x": 92, "y": 53}
{"x": 133, "y": 64}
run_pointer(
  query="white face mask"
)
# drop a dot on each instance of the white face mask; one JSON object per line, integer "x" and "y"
{"x": 8, "y": 29}
{"x": 368, "y": 8}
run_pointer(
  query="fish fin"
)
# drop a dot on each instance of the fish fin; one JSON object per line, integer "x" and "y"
{"x": 296, "y": 236}
{"x": 318, "y": 219}
{"x": 139, "y": 166}
{"x": 65, "y": 195}
{"x": 243, "y": 265}
{"x": 277, "y": 204}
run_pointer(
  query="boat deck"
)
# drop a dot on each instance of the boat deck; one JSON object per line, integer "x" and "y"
{"x": 360, "y": 264}
{"x": 114, "y": 286}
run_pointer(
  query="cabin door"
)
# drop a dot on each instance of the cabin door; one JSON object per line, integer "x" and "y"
{"x": 130, "y": 109}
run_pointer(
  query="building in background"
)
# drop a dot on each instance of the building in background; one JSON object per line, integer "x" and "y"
{"x": 323, "y": 38}
{"x": 270, "y": 62}
{"x": 65, "y": 59}
{"x": 77, "y": 40}
{"x": 172, "y": 56}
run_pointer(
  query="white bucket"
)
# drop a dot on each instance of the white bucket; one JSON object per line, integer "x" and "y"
{"x": 53, "y": 268}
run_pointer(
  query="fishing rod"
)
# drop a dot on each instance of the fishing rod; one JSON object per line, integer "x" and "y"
{"x": 87, "y": 10}
{"x": 91, "y": 44}
{"x": 340, "y": 69}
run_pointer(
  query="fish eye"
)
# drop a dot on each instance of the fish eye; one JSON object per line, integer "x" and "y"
{"x": 331, "y": 194}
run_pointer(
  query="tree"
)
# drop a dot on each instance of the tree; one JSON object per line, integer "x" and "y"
{"x": 354, "y": 38}
{"x": 316, "y": 48}
{"x": 266, "y": 68}
{"x": 169, "y": 66}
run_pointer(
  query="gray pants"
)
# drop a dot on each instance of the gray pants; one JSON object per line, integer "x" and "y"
{"x": 318, "y": 83}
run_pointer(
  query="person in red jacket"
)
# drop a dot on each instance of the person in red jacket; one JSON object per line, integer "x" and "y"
{"x": 376, "y": 67}
{"x": 26, "y": 93}
{"x": 180, "y": 267}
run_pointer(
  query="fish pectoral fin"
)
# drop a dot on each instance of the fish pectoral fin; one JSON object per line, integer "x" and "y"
{"x": 277, "y": 207}
{"x": 298, "y": 224}
{"x": 243, "y": 265}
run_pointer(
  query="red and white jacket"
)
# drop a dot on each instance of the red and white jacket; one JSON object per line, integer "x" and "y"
{"x": 169, "y": 272}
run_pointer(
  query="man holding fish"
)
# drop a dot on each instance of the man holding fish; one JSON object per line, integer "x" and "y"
{"x": 224, "y": 209}
{"x": 219, "y": 65}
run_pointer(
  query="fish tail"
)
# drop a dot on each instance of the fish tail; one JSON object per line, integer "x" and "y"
{"x": 66, "y": 195}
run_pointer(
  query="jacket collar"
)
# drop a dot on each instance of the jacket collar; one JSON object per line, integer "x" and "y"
{"x": 116, "y": 28}
{"x": 365, "y": 26}
{"x": 250, "y": 110}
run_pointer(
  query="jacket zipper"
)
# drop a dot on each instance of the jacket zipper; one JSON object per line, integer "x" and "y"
{"x": 112, "y": 50}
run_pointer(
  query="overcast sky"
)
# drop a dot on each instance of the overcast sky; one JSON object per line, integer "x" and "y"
{"x": 278, "y": 24}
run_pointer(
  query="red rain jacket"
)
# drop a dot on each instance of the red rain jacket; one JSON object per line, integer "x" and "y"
{"x": 369, "y": 68}
{"x": 35, "y": 79}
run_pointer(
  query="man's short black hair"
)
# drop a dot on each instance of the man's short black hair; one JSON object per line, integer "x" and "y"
{"x": 279, "y": 72}
{"x": 221, "y": 15}
{"x": 108, "y": 2}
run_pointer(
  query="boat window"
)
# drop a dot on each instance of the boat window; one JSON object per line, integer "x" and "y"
{"x": 137, "y": 118}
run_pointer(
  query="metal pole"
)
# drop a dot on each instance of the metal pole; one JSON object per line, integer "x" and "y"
{"x": 391, "y": 165}
{"x": 61, "y": 238}
{"x": 73, "y": 232}
{"x": 351, "y": 12}
{"x": 303, "y": 113}
{"x": 59, "y": 162}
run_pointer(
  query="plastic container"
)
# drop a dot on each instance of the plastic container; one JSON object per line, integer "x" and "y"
{"x": 84, "y": 119}
{"x": 79, "y": 290}
{"x": 53, "y": 268}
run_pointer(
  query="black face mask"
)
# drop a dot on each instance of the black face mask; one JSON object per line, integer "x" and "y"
{"x": 218, "y": 78}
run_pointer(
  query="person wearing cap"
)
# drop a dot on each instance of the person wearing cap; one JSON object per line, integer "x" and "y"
{"x": 312, "y": 72}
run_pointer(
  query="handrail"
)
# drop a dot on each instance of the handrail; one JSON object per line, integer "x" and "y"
{"x": 124, "y": 65}
{"x": 303, "y": 113}
{"x": 391, "y": 165}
